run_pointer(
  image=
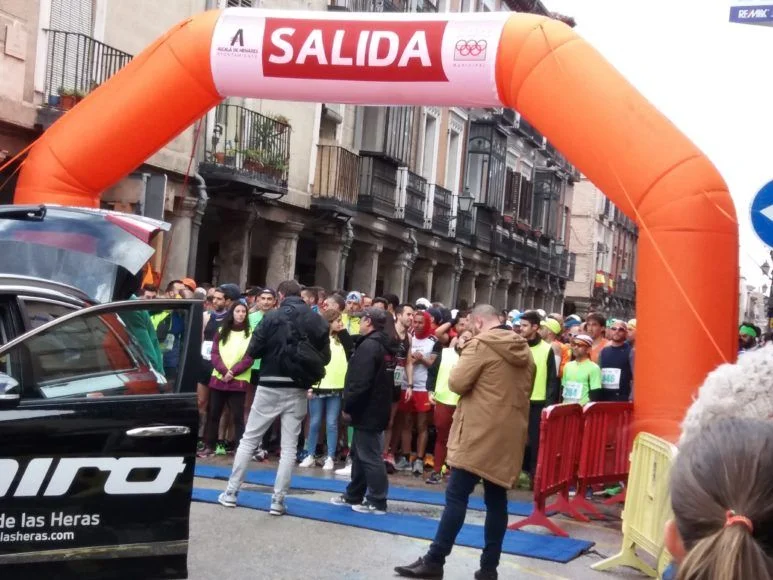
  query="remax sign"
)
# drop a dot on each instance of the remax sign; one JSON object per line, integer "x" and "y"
{"x": 752, "y": 12}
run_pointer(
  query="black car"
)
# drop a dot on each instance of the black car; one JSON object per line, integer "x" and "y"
{"x": 98, "y": 417}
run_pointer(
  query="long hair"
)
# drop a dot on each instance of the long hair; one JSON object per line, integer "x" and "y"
{"x": 728, "y": 466}
{"x": 229, "y": 323}
{"x": 330, "y": 317}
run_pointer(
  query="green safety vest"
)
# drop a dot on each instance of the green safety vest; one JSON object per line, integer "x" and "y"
{"x": 232, "y": 352}
{"x": 335, "y": 371}
{"x": 540, "y": 354}
{"x": 448, "y": 359}
{"x": 159, "y": 317}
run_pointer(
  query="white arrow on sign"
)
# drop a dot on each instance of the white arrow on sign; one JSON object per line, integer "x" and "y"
{"x": 768, "y": 212}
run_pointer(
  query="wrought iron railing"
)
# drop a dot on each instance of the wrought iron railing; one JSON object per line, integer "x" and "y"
{"x": 249, "y": 144}
{"x": 464, "y": 226}
{"x": 484, "y": 226}
{"x": 337, "y": 176}
{"x": 75, "y": 65}
{"x": 527, "y": 130}
{"x": 415, "y": 200}
{"x": 441, "y": 210}
{"x": 378, "y": 186}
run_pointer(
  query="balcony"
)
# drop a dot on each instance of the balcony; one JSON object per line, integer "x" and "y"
{"x": 416, "y": 189}
{"x": 441, "y": 211}
{"x": 464, "y": 227}
{"x": 75, "y": 65}
{"x": 366, "y": 6}
{"x": 484, "y": 229}
{"x": 248, "y": 151}
{"x": 378, "y": 187}
{"x": 336, "y": 180}
{"x": 529, "y": 132}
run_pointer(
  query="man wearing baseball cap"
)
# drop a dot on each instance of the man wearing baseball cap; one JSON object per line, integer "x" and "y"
{"x": 582, "y": 377}
{"x": 550, "y": 329}
{"x": 352, "y": 313}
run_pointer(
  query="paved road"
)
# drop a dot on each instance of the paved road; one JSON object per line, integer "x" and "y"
{"x": 240, "y": 543}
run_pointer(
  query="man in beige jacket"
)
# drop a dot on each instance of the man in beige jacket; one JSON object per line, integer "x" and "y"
{"x": 494, "y": 377}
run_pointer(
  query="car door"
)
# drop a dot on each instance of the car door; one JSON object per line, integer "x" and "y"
{"x": 98, "y": 447}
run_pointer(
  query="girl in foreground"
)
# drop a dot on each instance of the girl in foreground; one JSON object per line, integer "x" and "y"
{"x": 722, "y": 499}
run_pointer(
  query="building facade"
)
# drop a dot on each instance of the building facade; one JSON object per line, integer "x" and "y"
{"x": 604, "y": 240}
{"x": 461, "y": 206}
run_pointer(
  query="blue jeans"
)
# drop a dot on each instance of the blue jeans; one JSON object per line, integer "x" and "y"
{"x": 331, "y": 407}
{"x": 460, "y": 486}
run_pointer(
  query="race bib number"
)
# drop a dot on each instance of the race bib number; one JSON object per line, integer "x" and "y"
{"x": 610, "y": 379}
{"x": 572, "y": 392}
{"x": 206, "y": 350}
{"x": 399, "y": 375}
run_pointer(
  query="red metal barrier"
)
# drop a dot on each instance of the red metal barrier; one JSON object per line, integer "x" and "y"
{"x": 607, "y": 440}
{"x": 559, "y": 448}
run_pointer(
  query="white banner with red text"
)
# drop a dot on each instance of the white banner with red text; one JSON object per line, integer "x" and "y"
{"x": 379, "y": 58}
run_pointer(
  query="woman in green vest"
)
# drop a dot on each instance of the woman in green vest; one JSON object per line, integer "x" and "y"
{"x": 230, "y": 377}
{"x": 444, "y": 400}
{"x": 325, "y": 398}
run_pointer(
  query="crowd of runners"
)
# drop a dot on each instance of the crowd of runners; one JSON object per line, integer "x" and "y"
{"x": 374, "y": 386}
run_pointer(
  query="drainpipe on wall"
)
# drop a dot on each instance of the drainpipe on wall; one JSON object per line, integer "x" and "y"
{"x": 198, "y": 216}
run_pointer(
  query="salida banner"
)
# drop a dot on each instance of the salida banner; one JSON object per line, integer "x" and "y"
{"x": 444, "y": 59}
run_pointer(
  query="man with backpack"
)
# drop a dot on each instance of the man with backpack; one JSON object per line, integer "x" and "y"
{"x": 294, "y": 347}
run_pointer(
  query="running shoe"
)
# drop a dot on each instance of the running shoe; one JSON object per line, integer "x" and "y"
{"x": 345, "y": 471}
{"x": 435, "y": 478}
{"x": 341, "y": 500}
{"x": 329, "y": 465}
{"x": 368, "y": 508}
{"x": 220, "y": 449}
{"x": 260, "y": 455}
{"x": 418, "y": 467}
{"x": 206, "y": 452}
{"x": 277, "y": 507}
{"x": 227, "y": 499}
{"x": 307, "y": 462}
{"x": 402, "y": 464}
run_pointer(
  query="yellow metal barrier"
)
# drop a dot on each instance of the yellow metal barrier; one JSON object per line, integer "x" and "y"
{"x": 647, "y": 506}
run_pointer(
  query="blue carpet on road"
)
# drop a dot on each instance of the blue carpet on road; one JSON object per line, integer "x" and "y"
{"x": 519, "y": 543}
{"x": 266, "y": 477}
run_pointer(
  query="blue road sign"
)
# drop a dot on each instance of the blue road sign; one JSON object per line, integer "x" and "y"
{"x": 762, "y": 214}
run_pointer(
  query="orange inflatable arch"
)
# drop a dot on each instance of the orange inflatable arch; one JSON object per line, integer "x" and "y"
{"x": 688, "y": 245}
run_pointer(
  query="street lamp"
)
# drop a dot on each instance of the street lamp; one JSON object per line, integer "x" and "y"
{"x": 465, "y": 201}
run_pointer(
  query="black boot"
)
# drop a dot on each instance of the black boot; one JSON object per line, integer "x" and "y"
{"x": 486, "y": 574}
{"x": 421, "y": 568}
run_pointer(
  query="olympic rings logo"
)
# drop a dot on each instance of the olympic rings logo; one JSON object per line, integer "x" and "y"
{"x": 471, "y": 49}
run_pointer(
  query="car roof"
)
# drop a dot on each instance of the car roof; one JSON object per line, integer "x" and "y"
{"x": 14, "y": 284}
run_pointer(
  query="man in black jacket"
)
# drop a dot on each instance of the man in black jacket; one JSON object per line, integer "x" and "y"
{"x": 279, "y": 394}
{"x": 368, "y": 403}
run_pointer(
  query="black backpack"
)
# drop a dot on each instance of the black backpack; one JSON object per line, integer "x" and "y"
{"x": 299, "y": 359}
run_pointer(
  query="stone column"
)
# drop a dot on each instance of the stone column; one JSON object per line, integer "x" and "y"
{"x": 366, "y": 268}
{"x": 501, "y": 294}
{"x": 456, "y": 277}
{"x": 235, "y": 244}
{"x": 328, "y": 264}
{"x": 281, "y": 256}
{"x": 180, "y": 240}
{"x": 423, "y": 272}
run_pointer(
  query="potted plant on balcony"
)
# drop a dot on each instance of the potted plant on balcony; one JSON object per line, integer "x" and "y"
{"x": 254, "y": 160}
{"x": 66, "y": 98}
{"x": 79, "y": 96}
{"x": 284, "y": 121}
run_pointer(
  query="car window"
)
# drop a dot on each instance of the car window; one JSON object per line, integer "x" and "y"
{"x": 103, "y": 354}
{"x": 40, "y": 312}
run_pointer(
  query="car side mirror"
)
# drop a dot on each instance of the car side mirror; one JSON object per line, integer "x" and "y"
{"x": 10, "y": 391}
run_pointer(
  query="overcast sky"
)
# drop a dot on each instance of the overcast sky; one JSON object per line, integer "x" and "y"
{"x": 710, "y": 77}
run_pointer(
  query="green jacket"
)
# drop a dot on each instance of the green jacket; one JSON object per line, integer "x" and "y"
{"x": 141, "y": 327}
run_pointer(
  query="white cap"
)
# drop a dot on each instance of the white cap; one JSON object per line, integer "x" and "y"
{"x": 424, "y": 303}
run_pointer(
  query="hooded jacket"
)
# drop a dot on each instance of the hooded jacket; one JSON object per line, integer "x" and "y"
{"x": 494, "y": 377}
{"x": 369, "y": 382}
